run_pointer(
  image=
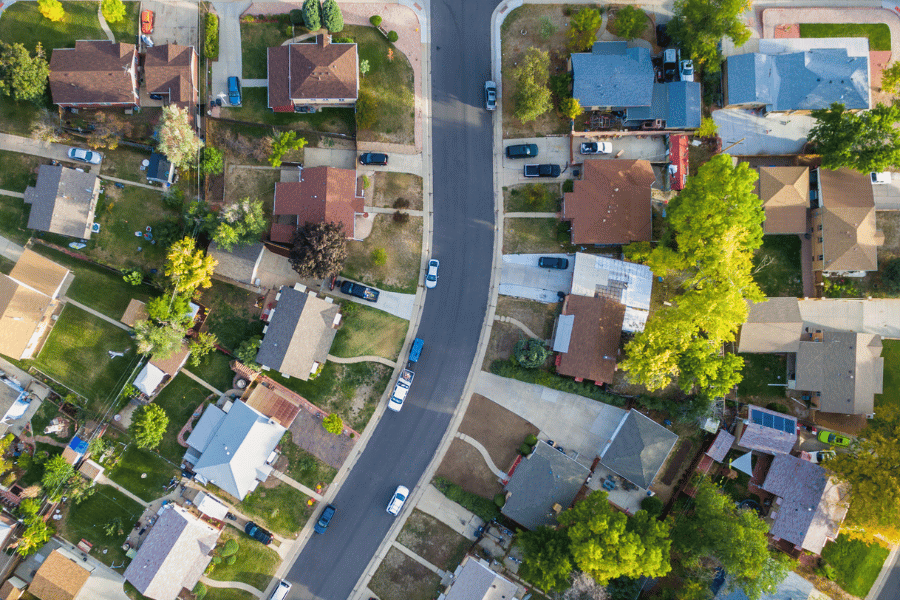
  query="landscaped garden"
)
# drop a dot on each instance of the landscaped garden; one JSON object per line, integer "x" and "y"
{"x": 254, "y": 564}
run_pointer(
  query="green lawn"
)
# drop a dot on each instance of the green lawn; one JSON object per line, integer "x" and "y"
{"x": 256, "y": 39}
{"x": 255, "y": 109}
{"x": 282, "y": 509}
{"x": 87, "y": 520}
{"x": 227, "y": 594}
{"x": 759, "y": 371}
{"x": 16, "y": 173}
{"x": 855, "y": 562}
{"x": 233, "y": 316}
{"x": 126, "y": 30}
{"x": 369, "y": 331}
{"x": 136, "y": 462}
{"x": 303, "y": 466}
{"x": 879, "y": 34}
{"x": 179, "y": 399}
{"x": 532, "y": 197}
{"x": 22, "y": 22}
{"x": 780, "y": 273}
{"x": 402, "y": 247}
{"x": 255, "y": 563}
{"x": 891, "y": 353}
{"x": 19, "y": 117}
{"x": 76, "y": 354}
{"x": 524, "y": 236}
{"x": 214, "y": 369}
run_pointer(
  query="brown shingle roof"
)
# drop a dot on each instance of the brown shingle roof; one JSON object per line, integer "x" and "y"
{"x": 94, "y": 72}
{"x": 611, "y": 203}
{"x": 174, "y": 363}
{"x": 320, "y": 71}
{"x": 136, "y": 311}
{"x": 848, "y": 221}
{"x": 323, "y": 194}
{"x": 59, "y": 578}
{"x": 172, "y": 69}
{"x": 63, "y": 201}
{"x": 595, "y": 338}
{"x": 784, "y": 192}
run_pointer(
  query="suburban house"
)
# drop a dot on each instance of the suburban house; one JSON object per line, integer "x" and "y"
{"x": 158, "y": 372}
{"x": 628, "y": 283}
{"x": 160, "y": 170}
{"x": 790, "y": 74}
{"x": 173, "y": 556}
{"x": 323, "y": 194}
{"x": 767, "y": 431}
{"x": 615, "y": 76}
{"x": 240, "y": 264}
{"x": 299, "y": 335}
{"x": 29, "y": 298}
{"x": 60, "y": 577}
{"x": 232, "y": 447}
{"x": 638, "y": 449}
{"x": 844, "y": 235}
{"x": 587, "y": 338}
{"x": 475, "y": 580}
{"x": 171, "y": 71}
{"x": 542, "y": 485}
{"x": 610, "y": 204}
{"x": 95, "y": 74}
{"x": 784, "y": 193}
{"x": 811, "y": 505}
{"x": 63, "y": 201}
{"x": 305, "y": 77}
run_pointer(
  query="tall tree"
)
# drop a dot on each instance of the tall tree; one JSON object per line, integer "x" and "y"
{"x": 113, "y": 10}
{"x": 189, "y": 268}
{"x": 699, "y": 26}
{"x": 867, "y": 141}
{"x": 583, "y": 29}
{"x": 890, "y": 78}
{"x": 630, "y": 22}
{"x": 170, "y": 308}
{"x": 202, "y": 345}
{"x": 148, "y": 425}
{"x": 247, "y": 351}
{"x": 161, "y": 340}
{"x": 312, "y": 14}
{"x": 547, "y": 562}
{"x": 177, "y": 139}
{"x": 22, "y": 76}
{"x": 56, "y": 474}
{"x": 319, "y": 250}
{"x": 532, "y": 97}
{"x": 240, "y": 224}
{"x": 212, "y": 161}
{"x": 332, "y": 19}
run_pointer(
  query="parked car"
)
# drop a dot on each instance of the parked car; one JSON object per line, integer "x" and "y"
{"x": 360, "y": 291}
{"x": 835, "y": 439}
{"x": 596, "y": 148}
{"x": 821, "y": 456}
{"x": 880, "y": 178}
{"x": 373, "y": 158}
{"x": 553, "y": 262}
{"x": 542, "y": 170}
{"x": 671, "y": 58}
{"x": 396, "y": 504}
{"x": 281, "y": 591}
{"x": 490, "y": 95}
{"x": 686, "y": 70}
{"x": 522, "y": 151}
{"x": 234, "y": 91}
{"x": 82, "y": 155}
{"x": 147, "y": 22}
{"x": 258, "y": 533}
{"x": 148, "y": 41}
{"x": 662, "y": 36}
{"x": 432, "y": 276}
{"x": 325, "y": 519}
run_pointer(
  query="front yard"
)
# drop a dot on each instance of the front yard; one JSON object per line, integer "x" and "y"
{"x": 282, "y": 509}
{"x": 856, "y": 563}
{"x": 879, "y": 34}
{"x": 303, "y": 466}
{"x": 402, "y": 245}
{"x": 522, "y": 236}
{"x": 532, "y": 197}
{"x": 357, "y": 337}
{"x": 255, "y": 109}
{"x": 401, "y": 578}
{"x": 433, "y": 541}
{"x": 255, "y": 563}
{"x": 390, "y": 190}
{"x": 87, "y": 520}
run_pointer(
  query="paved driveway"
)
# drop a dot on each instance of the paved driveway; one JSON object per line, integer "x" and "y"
{"x": 393, "y": 303}
{"x": 522, "y": 278}
{"x": 229, "y": 62}
{"x": 174, "y": 22}
{"x": 397, "y": 163}
{"x": 53, "y": 151}
{"x": 632, "y": 147}
{"x": 329, "y": 157}
{"x": 748, "y": 133}
{"x": 551, "y": 150}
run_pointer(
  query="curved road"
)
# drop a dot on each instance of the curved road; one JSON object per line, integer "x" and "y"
{"x": 404, "y": 443}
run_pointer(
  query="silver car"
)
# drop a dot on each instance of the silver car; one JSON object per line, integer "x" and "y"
{"x": 396, "y": 504}
{"x": 84, "y": 156}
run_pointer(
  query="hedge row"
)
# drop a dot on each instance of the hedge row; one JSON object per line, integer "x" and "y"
{"x": 211, "y": 41}
{"x": 511, "y": 370}
{"x": 483, "y": 507}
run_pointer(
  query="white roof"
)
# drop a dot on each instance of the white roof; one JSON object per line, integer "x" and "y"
{"x": 563, "y": 336}
{"x": 626, "y": 282}
{"x": 148, "y": 379}
{"x": 208, "y": 505}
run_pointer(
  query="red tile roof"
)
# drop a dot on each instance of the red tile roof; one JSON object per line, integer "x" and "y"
{"x": 320, "y": 71}
{"x": 94, "y": 72}
{"x": 323, "y": 194}
{"x": 678, "y": 156}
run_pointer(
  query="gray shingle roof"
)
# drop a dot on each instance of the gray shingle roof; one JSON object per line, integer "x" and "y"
{"x": 160, "y": 169}
{"x": 639, "y": 449}
{"x": 476, "y": 581}
{"x": 240, "y": 264}
{"x": 677, "y": 103}
{"x": 612, "y": 75}
{"x": 63, "y": 201}
{"x": 846, "y": 368}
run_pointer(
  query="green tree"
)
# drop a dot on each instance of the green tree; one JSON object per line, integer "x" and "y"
{"x": 379, "y": 257}
{"x": 319, "y": 250}
{"x": 172, "y": 309}
{"x": 890, "y": 78}
{"x": 630, "y": 22}
{"x": 366, "y": 109}
{"x": 708, "y": 128}
{"x": 570, "y": 108}
{"x": 160, "y": 340}
{"x": 333, "y": 424}
{"x": 312, "y": 14}
{"x": 867, "y": 141}
{"x": 212, "y": 161}
{"x": 332, "y": 19}
{"x": 393, "y": 36}
{"x": 201, "y": 346}
{"x": 148, "y": 425}
{"x": 240, "y": 224}
{"x": 284, "y": 143}
{"x": 583, "y": 29}
{"x": 247, "y": 351}
{"x": 211, "y": 36}
{"x": 177, "y": 139}
{"x": 133, "y": 276}
{"x": 52, "y": 9}
{"x": 364, "y": 67}
{"x": 532, "y": 97}
{"x": 546, "y": 562}
{"x": 34, "y": 537}
{"x": 189, "y": 268}
{"x": 531, "y": 353}
{"x": 57, "y": 473}
{"x": 699, "y": 26}
{"x": 113, "y": 10}
{"x": 296, "y": 16}
{"x": 375, "y": 20}
{"x": 22, "y": 76}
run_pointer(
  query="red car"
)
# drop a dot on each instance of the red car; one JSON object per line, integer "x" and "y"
{"x": 147, "y": 22}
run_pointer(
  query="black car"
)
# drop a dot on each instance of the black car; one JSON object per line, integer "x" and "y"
{"x": 552, "y": 262}
{"x": 542, "y": 170}
{"x": 258, "y": 533}
{"x": 373, "y": 158}
{"x": 360, "y": 291}
{"x": 327, "y": 515}
{"x": 522, "y": 151}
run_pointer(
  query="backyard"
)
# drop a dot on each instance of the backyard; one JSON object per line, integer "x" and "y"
{"x": 355, "y": 337}
{"x": 214, "y": 369}
{"x": 87, "y": 520}
{"x": 143, "y": 473}
{"x": 777, "y": 266}
{"x": 255, "y": 184}
{"x": 891, "y": 353}
{"x": 255, "y": 563}
{"x": 856, "y": 563}
{"x": 23, "y": 23}
{"x": 16, "y": 174}
{"x": 233, "y": 314}
{"x": 763, "y": 377}
{"x": 879, "y": 34}
{"x": 180, "y": 398}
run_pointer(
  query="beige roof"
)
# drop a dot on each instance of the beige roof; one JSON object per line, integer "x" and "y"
{"x": 39, "y": 272}
{"x": 58, "y": 578}
{"x": 136, "y": 311}
{"x": 772, "y": 326}
{"x": 172, "y": 364}
{"x": 90, "y": 469}
{"x": 844, "y": 368}
{"x": 8, "y": 591}
{"x": 848, "y": 221}
{"x": 784, "y": 192}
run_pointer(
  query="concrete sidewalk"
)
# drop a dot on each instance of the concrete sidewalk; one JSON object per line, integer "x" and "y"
{"x": 451, "y": 514}
{"x": 9, "y": 249}
{"x": 90, "y": 310}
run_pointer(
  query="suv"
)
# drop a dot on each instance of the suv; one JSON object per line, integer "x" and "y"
{"x": 490, "y": 95}
{"x": 553, "y": 262}
{"x": 234, "y": 91}
{"x": 396, "y": 504}
{"x": 258, "y": 533}
{"x": 324, "y": 520}
{"x": 373, "y": 158}
{"x": 360, "y": 291}
{"x": 522, "y": 151}
{"x": 686, "y": 70}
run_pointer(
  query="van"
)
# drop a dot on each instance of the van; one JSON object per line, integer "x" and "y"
{"x": 281, "y": 591}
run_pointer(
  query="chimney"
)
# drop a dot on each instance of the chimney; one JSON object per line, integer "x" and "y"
{"x": 324, "y": 40}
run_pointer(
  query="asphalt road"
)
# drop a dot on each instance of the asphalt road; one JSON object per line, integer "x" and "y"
{"x": 404, "y": 443}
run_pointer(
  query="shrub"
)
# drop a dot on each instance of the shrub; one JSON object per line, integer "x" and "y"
{"x": 211, "y": 36}
{"x": 568, "y": 185}
{"x": 113, "y": 10}
{"x": 401, "y": 203}
{"x": 366, "y": 182}
{"x": 296, "y": 16}
{"x": 890, "y": 275}
{"x": 366, "y": 110}
{"x": 531, "y": 353}
{"x": 531, "y": 439}
{"x": 333, "y": 424}
{"x": 525, "y": 449}
{"x": 379, "y": 257}
{"x": 375, "y": 20}
{"x": 508, "y": 368}
{"x": 332, "y": 19}
{"x": 483, "y": 507}
{"x": 630, "y": 22}
{"x": 51, "y": 9}
{"x": 133, "y": 276}
{"x": 547, "y": 28}
{"x": 708, "y": 128}
{"x": 500, "y": 499}
{"x": 231, "y": 547}
{"x": 401, "y": 218}
{"x": 349, "y": 309}
{"x": 653, "y": 505}
{"x": 231, "y": 560}
{"x": 393, "y": 37}
{"x": 312, "y": 15}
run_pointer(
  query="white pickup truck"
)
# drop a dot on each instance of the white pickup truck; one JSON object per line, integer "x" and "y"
{"x": 401, "y": 390}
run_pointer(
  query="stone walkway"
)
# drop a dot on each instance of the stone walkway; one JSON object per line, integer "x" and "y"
{"x": 103, "y": 479}
{"x": 189, "y": 426}
{"x": 231, "y": 584}
{"x": 484, "y": 454}
{"x": 297, "y": 485}
{"x": 88, "y": 309}
{"x": 12, "y": 194}
{"x": 381, "y": 210}
{"x": 358, "y": 359}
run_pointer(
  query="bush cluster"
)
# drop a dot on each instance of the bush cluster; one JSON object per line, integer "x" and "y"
{"x": 507, "y": 368}
{"x": 483, "y": 507}
{"x": 211, "y": 41}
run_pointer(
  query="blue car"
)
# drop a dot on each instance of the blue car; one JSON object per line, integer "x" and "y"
{"x": 234, "y": 91}
{"x": 325, "y": 519}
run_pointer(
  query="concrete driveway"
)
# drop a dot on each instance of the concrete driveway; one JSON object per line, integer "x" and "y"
{"x": 393, "y": 303}
{"x": 521, "y": 277}
{"x": 329, "y": 157}
{"x": 632, "y": 147}
{"x": 746, "y": 133}
{"x": 397, "y": 163}
{"x": 174, "y": 22}
{"x": 229, "y": 62}
{"x": 53, "y": 151}
{"x": 551, "y": 150}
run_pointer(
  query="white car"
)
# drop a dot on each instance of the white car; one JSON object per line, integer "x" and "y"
{"x": 84, "y": 156}
{"x": 686, "y": 70}
{"x": 596, "y": 148}
{"x": 432, "y": 276}
{"x": 396, "y": 504}
{"x": 821, "y": 456}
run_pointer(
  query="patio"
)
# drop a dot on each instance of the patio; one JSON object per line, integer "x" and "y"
{"x": 628, "y": 500}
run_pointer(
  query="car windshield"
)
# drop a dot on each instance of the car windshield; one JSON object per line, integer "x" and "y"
{"x": 431, "y": 277}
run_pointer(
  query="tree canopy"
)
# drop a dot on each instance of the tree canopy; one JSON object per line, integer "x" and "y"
{"x": 113, "y": 10}
{"x": 23, "y": 76}
{"x": 284, "y": 143}
{"x": 212, "y": 161}
{"x": 531, "y": 353}
{"x": 189, "y": 268}
{"x": 312, "y": 14}
{"x": 148, "y": 425}
{"x": 865, "y": 142}
{"x": 715, "y": 225}
{"x": 583, "y": 29}
{"x": 319, "y": 250}
{"x": 159, "y": 339}
{"x": 532, "y": 97}
{"x": 240, "y": 224}
{"x": 177, "y": 139}
{"x": 332, "y": 19}
{"x": 630, "y": 22}
{"x": 699, "y": 25}
{"x": 52, "y": 9}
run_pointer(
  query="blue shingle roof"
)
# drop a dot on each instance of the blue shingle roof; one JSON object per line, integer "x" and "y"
{"x": 677, "y": 103}
{"x": 612, "y": 75}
